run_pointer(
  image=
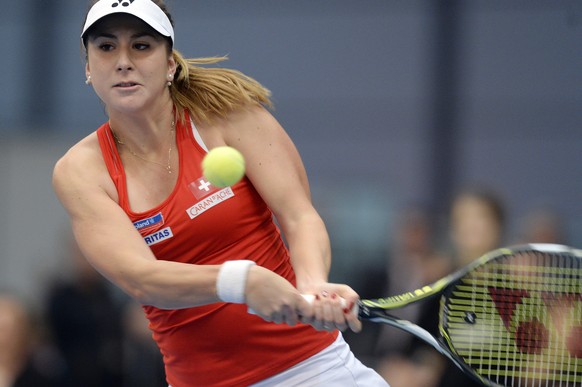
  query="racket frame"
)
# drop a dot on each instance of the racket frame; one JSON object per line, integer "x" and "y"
{"x": 376, "y": 310}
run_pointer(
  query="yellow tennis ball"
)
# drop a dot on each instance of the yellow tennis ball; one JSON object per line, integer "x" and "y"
{"x": 223, "y": 166}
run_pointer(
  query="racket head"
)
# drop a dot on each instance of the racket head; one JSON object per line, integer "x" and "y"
{"x": 515, "y": 316}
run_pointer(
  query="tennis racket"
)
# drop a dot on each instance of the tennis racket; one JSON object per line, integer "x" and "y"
{"x": 511, "y": 318}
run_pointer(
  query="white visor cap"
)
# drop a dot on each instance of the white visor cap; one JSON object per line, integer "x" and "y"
{"x": 145, "y": 10}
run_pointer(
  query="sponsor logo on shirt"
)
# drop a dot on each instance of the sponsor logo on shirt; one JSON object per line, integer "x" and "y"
{"x": 158, "y": 236}
{"x": 202, "y": 188}
{"x": 208, "y": 195}
{"x": 145, "y": 224}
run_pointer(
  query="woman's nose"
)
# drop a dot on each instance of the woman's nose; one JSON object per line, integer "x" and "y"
{"x": 124, "y": 61}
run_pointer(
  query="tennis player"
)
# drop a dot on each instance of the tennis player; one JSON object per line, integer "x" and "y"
{"x": 196, "y": 256}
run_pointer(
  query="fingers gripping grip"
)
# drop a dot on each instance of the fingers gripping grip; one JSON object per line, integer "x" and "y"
{"x": 311, "y": 298}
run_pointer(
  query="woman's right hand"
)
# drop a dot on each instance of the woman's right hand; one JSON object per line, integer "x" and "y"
{"x": 275, "y": 299}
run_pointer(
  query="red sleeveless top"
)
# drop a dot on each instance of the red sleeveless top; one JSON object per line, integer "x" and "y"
{"x": 217, "y": 344}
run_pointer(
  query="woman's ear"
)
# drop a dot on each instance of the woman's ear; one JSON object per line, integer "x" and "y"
{"x": 87, "y": 74}
{"x": 172, "y": 65}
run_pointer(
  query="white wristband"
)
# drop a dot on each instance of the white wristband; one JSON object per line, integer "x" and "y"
{"x": 232, "y": 280}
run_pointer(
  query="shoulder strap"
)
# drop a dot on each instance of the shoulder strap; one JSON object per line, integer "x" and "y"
{"x": 113, "y": 162}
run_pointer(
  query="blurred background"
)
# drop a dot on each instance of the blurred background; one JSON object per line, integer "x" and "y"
{"x": 395, "y": 106}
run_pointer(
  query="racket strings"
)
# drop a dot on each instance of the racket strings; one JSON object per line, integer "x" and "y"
{"x": 517, "y": 320}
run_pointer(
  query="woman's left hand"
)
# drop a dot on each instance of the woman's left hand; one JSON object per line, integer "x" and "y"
{"x": 332, "y": 307}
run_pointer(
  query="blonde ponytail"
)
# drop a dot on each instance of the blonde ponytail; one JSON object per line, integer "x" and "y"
{"x": 210, "y": 92}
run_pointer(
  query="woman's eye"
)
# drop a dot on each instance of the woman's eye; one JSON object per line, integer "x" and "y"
{"x": 105, "y": 47}
{"x": 141, "y": 46}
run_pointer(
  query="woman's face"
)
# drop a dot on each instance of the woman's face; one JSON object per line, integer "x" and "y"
{"x": 128, "y": 63}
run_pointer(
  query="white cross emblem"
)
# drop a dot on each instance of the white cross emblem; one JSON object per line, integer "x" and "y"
{"x": 204, "y": 185}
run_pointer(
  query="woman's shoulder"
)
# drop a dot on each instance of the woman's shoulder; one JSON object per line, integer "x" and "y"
{"x": 83, "y": 152}
{"x": 239, "y": 121}
{"x": 249, "y": 112}
{"x": 82, "y": 164}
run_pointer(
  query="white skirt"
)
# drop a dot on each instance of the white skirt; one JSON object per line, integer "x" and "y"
{"x": 336, "y": 365}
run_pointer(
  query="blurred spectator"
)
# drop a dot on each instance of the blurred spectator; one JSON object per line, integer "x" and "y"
{"x": 22, "y": 363}
{"x": 410, "y": 261}
{"x": 476, "y": 226}
{"x": 542, "y": 225}
{"x": 413, "y": 263}
{"x": 86, "y": 323}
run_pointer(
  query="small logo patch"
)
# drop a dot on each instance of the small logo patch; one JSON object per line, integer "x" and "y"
{"x": 158, "y": 236}
{"x": 145, "y": 224}
{"x": 124, "y": 3}
{"x": 201, "y": 188}
{"x": 209, "y": 202}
